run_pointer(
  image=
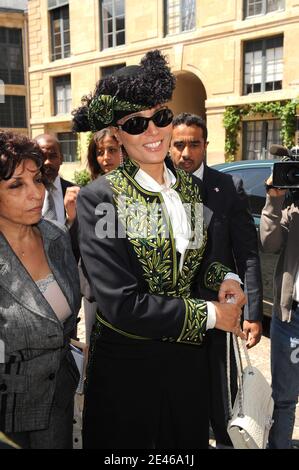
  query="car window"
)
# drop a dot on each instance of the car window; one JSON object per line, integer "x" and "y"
{"x": 253, "y": 179}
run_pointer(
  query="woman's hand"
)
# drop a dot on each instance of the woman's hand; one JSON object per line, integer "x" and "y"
{"x": 274, "y": 192}
{"x": 228, "y": 316}
{"x": 70, "y": 203}
{"x": 231, "y": 289}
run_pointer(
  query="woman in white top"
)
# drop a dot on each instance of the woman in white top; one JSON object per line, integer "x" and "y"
{"x": 39, "y": 301}
{"x": 142, "y": 239}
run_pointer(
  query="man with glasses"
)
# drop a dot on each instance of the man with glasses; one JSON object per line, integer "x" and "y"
{"x": 232, "y": 240}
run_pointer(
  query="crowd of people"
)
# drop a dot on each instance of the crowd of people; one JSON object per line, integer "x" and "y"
{"x": 158, "y": 244}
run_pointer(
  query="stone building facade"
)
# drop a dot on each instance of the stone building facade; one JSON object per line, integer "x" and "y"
{"x": 14, "y": 96}
{"x": 226, "y": 53}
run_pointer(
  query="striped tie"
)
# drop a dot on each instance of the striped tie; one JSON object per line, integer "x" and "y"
{"x": 50, "y": 211}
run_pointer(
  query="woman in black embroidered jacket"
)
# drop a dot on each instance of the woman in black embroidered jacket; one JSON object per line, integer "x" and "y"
{"x": 142, "y": 239}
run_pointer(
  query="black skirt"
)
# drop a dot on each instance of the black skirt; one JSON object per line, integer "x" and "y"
{"x": 144, "y": 394}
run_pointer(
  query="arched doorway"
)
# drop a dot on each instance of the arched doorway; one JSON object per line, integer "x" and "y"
{"x": 189, "y": 95}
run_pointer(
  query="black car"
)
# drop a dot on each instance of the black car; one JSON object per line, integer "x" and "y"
{"x": 254, "y": 173}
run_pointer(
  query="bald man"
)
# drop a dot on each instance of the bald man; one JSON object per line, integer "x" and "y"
{"x": 63, "y": 193}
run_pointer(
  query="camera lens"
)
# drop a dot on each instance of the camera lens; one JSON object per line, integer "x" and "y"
{"x": 292, "y": 176}
{"x": 286, "y": 174}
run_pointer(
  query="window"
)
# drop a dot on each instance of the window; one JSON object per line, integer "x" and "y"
{"x": 11, "y": 56}
{"x": 56, "y": 3}
{"x": 13, "y": 112}
{"x": 258, "y": 136}
{"x": 263, "y": 65}
{"x": 262, "y": 7}
{"x": 62, "y": 94}
{"x": 110, "y": 69}
{"x": 60, "y": 31}
{"x": 179, "y": 16}
{"x": 113, "y": 23}
{"x": 68, "y": 145}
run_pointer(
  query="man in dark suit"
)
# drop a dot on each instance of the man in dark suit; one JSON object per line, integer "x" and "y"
{"x": 232, "y": 240}
{"x": 61, "y": 195}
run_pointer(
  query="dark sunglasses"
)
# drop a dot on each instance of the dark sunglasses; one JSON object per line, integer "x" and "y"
{"x": 138, "y": 124}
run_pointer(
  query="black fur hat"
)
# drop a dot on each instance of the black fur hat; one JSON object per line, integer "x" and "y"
{"x": 130, "y": 89}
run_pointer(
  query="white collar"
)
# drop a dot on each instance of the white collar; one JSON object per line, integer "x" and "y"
{"x": 147, "y": 182}
{"x": 199, "y": 172}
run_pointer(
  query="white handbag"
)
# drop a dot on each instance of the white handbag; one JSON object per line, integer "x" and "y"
{"x": 251, "y": 416}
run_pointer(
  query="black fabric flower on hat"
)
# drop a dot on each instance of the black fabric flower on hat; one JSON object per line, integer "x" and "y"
{"x": 128, "y": 90}
{"x": 104, "y": 111}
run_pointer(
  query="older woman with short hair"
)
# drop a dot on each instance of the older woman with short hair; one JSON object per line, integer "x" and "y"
{"x": 39, "y": 301}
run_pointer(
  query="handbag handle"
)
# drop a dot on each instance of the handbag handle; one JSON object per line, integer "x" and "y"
{"x": 239, "y": 364}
